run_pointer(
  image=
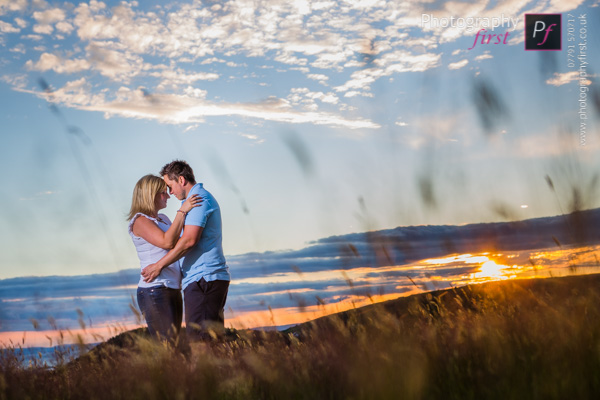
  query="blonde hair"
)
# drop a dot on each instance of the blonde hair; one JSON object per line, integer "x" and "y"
{"x": 144, "y": 194}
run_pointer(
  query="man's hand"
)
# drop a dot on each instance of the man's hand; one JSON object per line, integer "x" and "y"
{"x": 189, "y": 238}
{"x": 151, "y": 272}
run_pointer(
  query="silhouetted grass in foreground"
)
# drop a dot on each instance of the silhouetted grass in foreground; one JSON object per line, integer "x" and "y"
{"x": 528, "y": 339}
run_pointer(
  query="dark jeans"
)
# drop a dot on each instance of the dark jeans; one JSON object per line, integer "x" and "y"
{"x": 162, "y": 308}
{"x": 205, "y": 307}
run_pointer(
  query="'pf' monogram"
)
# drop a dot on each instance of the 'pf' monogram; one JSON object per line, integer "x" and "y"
{"x": 543, "y": 32}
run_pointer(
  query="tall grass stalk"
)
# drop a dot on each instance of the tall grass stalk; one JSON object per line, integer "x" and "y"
{"x": 533, "y": 339}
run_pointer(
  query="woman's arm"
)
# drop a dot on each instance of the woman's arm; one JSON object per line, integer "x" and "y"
{"x": 148, "y": 230}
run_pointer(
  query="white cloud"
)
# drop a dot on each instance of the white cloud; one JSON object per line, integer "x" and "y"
{"x": 169, "y": 108}
{"x": 5, "y": 27}
{"x": 354, "y": 93}
{"x": 43, "y": 29}
{"x": 12, "y": 5}
{"x": 21, "y": 22}
{"x": 388, "y": 64}
{"x": 308, "y": 99}
{"x": 564, "y": 78}
{"x": 254, "y": 138}
{"x": 484, "y": 56}
{"x": 212, "y": 60}
{"x": 64, "y": 27}
{"x": 116, "y": 65}
{"x": 178, "y": 77}
{"x": 34, "y": 37}
{"x": 191, "y": 128}
{"x": 17, "y": 81}
{"x": 143, "y": 33}
{"x": 53, "y": 62}
{"x": 180, "y": 109}
{"x": 39, "y": 4}
{"x": 75, "y": 94}
{"x": 49, "y": 16}
{"x": 288, "y": 58}
{"x": 348, "y": 45}
{"x": 561, "y": 6}
{"x": 20, "y": 48}
{"x": 318, "y": 77}
{"x": 195, "y": 92}
{"x": 458, "y": 64}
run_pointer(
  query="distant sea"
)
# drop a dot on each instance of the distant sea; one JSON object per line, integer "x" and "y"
{"x": 49, "y": 356}
{"x": 52, "y": 356}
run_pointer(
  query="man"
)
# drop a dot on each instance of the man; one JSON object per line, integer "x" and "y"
{"x": 205, "y": 273}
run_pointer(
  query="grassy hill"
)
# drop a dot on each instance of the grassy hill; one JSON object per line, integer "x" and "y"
{"x": 520, "y": 339}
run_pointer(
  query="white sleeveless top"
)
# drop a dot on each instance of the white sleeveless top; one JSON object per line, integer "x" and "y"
{"x": 149, "y": 254}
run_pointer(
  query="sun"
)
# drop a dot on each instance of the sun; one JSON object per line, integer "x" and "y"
{"x": 490, "y": 269}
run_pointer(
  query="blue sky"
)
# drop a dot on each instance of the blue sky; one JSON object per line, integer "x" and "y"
{"x": 306, "y": 119}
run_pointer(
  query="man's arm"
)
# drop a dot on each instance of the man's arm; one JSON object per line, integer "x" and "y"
{"x": 191, "y": 236}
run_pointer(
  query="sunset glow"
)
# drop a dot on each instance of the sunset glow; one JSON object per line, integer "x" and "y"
{"x": 320, "y": 293}
{"x": 490, "y": 269}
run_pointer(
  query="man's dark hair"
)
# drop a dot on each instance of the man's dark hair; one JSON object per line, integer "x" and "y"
{"x": 178, "y": 168}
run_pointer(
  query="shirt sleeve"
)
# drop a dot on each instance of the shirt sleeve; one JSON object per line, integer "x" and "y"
{"x": 199, "y": 215}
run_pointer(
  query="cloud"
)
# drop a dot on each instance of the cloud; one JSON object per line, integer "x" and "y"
{"x": 318, "y": 77}
{"x": 47, "y": 18}
{"x": 5, "y": 27}
{"x": 64, "y": 27}
{"x": 192, "y": 107}
{"x": 183, "y": 109}
{"x": 116, "y": 65}
{"x": 563, "y": 6}
{"x": 388, "y": 64}
{"x": 307, "y": 99}
{"x": 485, "y": 56}
{"x": 348, "y": 46}
{"x": 337, "y": 269}
{"x": 17, "y": 81}
{"x": 7, "y": 6}
{"x": 179, "y": 77}
{"x": 18, "y": 49}
{"x": 21, "y": 22}
{"x": 102, "y": 297}
{"x": 53, "y": 62}
{"x": 43, "y": 29}
{"x": 213, "y": 60}
{"x": 34, "y": 37}
{"x": 458, "y": 64}
{"x": 564, "y": 78}
{"x": 145, "y": 32}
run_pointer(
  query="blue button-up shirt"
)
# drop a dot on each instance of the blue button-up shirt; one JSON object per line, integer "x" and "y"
{"x": 205, "y": 259}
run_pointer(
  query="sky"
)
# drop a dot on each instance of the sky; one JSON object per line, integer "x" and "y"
{"x": 305, "y": 119}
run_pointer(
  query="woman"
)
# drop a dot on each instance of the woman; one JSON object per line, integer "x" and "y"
{"x": 153, "y": 235}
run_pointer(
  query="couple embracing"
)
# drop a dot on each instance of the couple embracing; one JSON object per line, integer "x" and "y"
{"x": 186, "y": 254}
